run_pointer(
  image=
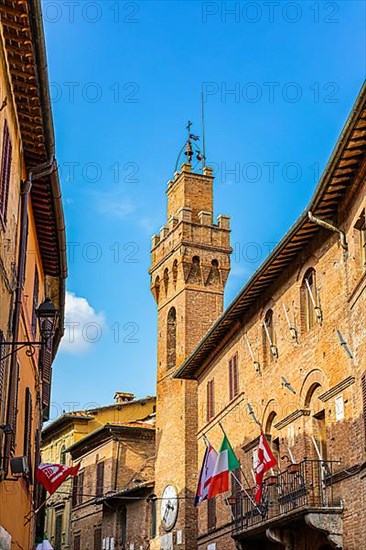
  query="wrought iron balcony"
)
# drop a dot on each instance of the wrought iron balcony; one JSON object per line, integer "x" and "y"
{"x": 302, "y": 487}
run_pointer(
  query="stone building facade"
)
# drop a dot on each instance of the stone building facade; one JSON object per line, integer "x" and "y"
{"x": 288, "y": 356}
{"x": 189, "y": 268}
{"x": 32, "y": 263}
{"x": 110, "y": 505}
{"x": 67, "y": 430}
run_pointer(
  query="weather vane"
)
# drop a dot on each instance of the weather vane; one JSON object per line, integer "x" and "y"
{"x": 191, "y": 148}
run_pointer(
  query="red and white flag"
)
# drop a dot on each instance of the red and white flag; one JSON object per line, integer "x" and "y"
{"x": 51, "y": 476}
{"x": 208, "y": 466}
{"x": 266, "y": 461}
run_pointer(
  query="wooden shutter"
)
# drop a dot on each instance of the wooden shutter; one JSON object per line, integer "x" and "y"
{"x": 363, "y": 386}
{"x": 236, "y": 491}
{"x": 211, "y": 514}
{"x": 235, "y": 375}
{"x": 58, "y": 532}
{"x": 37, "y": 459}
{"x": 35, "y": 301}
{"x": 80, "y": 489}
{"x": 45, "y": 363}
{"x": 77, "y": 542}
{"x": 14, "y": 407}
{"x": 231, "y": 381}
{"x": 98, "y": 538}
{"x": 2, "y": 371}
{"x": 210, "y": 400}
{"x": 28, "y": 431}
{"x": 5, "y": 172}
{"x": 74, "y": 498}
{"x": 100, "y": 479}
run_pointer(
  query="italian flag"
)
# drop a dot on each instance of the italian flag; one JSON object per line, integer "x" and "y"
{"x": 226, "y": 462}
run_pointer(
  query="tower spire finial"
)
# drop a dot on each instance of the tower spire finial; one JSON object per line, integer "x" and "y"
{"x": 188, "y": 149}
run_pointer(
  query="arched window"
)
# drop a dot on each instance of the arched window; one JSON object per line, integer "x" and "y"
{"x": 171, "y": 341}
{"x": 195, "y": 271}
{"x": 269, "y": 338}
{"x": 319, "y": 431}
{"x": 166, "y": 280}
{"x": 273, "y": 436}
{"x": 175, "y": 272}
{"x": 157, "y": 288}
{"x": 214, "y": 275}
{"x": 308, "y": 300}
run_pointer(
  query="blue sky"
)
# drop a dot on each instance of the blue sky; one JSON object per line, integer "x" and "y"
{"x": 279, "y": 80}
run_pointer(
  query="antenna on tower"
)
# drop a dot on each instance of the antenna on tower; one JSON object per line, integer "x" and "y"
{"x": 203, "y": 131}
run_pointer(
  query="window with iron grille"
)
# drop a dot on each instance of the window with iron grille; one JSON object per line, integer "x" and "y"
{"x": 233, "y": 377}
{"x": 77, "y": 542}
{"x": 98, "y": 538}
{"x": 28, "y": 432}
{"x": 5, "y": 173}
{"x": 211, "y": 514}
{"x": 100, "y": 479}
{"x": 210, "y": 399}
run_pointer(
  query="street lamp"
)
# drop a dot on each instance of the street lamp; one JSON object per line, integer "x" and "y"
{"x": 47, "y": 316}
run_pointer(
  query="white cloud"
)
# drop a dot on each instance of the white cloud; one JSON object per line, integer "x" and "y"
{"x": 115, "y": 205}
{"x": 83, "y": 325}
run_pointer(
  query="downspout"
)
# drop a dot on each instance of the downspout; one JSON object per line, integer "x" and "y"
{"x": 331, "y": 227}
{"x": 35, "y": 173}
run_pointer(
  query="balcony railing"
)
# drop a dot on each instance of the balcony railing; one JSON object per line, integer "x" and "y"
{"x": 308, "y": 484}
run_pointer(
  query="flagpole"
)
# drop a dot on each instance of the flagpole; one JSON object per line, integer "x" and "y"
{"x": 245, "y": 477}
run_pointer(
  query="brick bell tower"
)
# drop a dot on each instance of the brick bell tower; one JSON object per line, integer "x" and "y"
{"x": 190, "y": 264}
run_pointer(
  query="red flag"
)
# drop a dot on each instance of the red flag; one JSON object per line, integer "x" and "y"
{"x": 266, "y": 461}
{"x": 53, "y": 475}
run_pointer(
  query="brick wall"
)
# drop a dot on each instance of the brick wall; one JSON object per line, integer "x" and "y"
{"x": 317, "y": 367}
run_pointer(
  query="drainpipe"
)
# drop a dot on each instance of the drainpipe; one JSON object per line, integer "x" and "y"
{"x": 35, "y": 173}
{"x": 327, "y": 225}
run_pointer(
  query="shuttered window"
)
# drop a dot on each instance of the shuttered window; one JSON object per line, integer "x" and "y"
{"x": 77, "y": 489}
{"x": 2, "y": 371}
{"x": 211, "y": 514}
{"x": 28, "y": 432}
{"x": 58, "y": 532}
{"x": 233, "y": 377}
{"x": 100, "y": 479}
{"x": 210, "y": 399}
{"x": 5, "y": 173}
{"x": 77, "y": 542}
{"x": 14, "y": 407}
{"x": 74, "y": 498}
{"x": 363, "y": 386}
{"x": 98, "y": 538}
{"x": 35, "y": 301}
{"x": 236, "y": 491}
{"x": 45, "y": 363}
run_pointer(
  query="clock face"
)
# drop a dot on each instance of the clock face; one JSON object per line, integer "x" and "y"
{"x": 169, "y": 507}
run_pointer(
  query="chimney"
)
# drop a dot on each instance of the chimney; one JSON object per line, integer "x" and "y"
{"x": 123, "y": 397}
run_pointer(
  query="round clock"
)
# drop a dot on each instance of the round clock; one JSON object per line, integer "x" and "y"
{"x": 169, "y": 507}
